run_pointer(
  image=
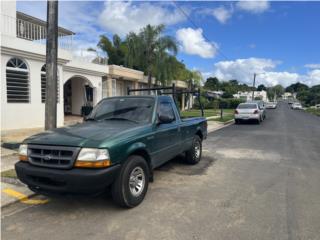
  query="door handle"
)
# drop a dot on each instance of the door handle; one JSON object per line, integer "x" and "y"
{"x": 150, "y": 137}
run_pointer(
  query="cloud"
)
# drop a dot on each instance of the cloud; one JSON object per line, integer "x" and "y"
{"x": 123, "y": 17}
{"x": 79, "y": 17}
{"x": 312, "y": 78}
{"x": 252, "y": 46}
{"x": 192, "y": 42}
{"x": 243, "y": 70}
{"x": 222, "y": 14}
{"x": 313, "y": 65}
{"x": 253, "y": 6}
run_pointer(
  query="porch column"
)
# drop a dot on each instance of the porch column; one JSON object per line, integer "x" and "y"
{"x": 136, "y": 86}
{"x": 182, "y": 102}
{"x": 109, "y": 86}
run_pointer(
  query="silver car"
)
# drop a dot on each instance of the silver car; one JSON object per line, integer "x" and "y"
{"x": 296, "y": 105}
{"x": 271, "y": 105}
{"x": 249, "y": 111}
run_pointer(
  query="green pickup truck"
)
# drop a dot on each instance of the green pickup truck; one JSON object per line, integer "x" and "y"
{"x": 117, "y": 146}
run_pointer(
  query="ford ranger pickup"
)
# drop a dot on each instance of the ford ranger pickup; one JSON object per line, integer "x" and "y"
{"x": 117, "y": 146}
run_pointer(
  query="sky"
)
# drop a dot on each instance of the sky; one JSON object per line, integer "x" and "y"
{"x": 230, "y": 40}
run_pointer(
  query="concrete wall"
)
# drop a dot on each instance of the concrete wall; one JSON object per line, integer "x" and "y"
{"x": 8, "y": 15}
{"x": 27, "y": 115}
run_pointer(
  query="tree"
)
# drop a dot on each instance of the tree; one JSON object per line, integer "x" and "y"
{"x": 297, "y": 87}
{"x": 151, "y": 52}
{"x": 270, "y": 93}
{"x": 311, "y": 96}
{"x": 262, "y": 87}
{"x": 154, "y": 44}
{"x": 116, "y": 49}
{"x": 212, "y": 83}
{"x": 279, "y": 90}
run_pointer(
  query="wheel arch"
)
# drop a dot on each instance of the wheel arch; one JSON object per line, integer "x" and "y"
{"x": 140, "y": 149}
{"x": 199, "y": 133}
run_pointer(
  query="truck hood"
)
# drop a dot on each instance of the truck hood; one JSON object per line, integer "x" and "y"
{"x": 88, "y": 134}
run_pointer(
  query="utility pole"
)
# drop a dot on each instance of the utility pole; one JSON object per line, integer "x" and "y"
{"x": 51, "y": 65}
{"x": 254, "y": 85}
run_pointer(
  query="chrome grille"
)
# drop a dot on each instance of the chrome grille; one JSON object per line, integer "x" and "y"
{"x": 52, "y": 156}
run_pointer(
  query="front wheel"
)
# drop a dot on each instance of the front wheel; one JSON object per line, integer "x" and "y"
{"x": 193, "y": 155}
{"x": 130, "y": 187}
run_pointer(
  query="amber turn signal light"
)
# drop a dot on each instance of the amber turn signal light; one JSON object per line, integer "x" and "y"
{"x": 93, "y": 164}
{"x": 23, "y": 158}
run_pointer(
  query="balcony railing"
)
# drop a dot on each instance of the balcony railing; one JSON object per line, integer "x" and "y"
{"x": 31, "y": 31}
{"x": 38, "y": 33}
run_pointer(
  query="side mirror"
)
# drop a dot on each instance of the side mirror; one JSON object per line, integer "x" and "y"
{"x": 163, "y": 119}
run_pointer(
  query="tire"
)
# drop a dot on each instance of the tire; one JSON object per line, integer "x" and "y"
{"x": 123, "y": 193}
{"x": 237, "y": 121}
{"x": 193, "y": 155}
{"x": 259, "y": 120}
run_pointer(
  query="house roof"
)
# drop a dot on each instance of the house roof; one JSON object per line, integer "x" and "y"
{"x": 28, "y": 18}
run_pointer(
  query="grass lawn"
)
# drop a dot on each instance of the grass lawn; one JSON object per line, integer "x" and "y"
{"x": 207, "y": 112}
{"x": 225, "y": 118}
{"x": 313, "y": 111}
{"x": 9, "y": 173}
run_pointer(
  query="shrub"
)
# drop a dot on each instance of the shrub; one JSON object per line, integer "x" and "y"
{"x": 231, "y": 103}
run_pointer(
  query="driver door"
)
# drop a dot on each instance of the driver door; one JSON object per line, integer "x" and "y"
{"x": 167, "y": 136}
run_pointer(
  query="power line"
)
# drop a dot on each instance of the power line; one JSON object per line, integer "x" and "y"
{"x": 196, "y": 26}
{"x": 204, "y": 35}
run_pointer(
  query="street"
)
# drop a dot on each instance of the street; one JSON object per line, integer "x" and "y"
{"x": 253, "y": 182}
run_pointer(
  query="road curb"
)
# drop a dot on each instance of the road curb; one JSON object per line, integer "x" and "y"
{"x": 12, "y": 185}
{"x": 226, "y": 124}
{"x": 31, "y": 195}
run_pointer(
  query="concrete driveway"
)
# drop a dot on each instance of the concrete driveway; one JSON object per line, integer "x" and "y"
{"x": 254, "y": 182}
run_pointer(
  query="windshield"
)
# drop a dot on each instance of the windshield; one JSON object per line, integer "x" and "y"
{"x": 247, "y": 106}
{"x": 137, "y": 110}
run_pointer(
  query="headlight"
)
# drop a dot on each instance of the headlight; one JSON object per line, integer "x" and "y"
{"x": 93, "y": 158}
{"x": 23, "y": 152}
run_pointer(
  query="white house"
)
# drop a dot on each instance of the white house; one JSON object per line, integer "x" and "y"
{"x": 214, "y": 94}
{"x": 288, "y": 95}
{"x": 81, "y": 81}
{"x": 247, "y": 96}
{"x": 23, "y": 78}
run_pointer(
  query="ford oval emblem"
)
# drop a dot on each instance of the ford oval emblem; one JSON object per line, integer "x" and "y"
{"x": 47, "y": 157}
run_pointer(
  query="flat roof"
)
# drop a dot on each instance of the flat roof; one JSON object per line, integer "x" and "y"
{"x": 28, "y": 18}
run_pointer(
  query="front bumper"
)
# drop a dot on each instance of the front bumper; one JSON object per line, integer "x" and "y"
{"x": 59, "y": 181}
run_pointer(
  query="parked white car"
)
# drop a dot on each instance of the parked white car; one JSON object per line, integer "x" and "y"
{"x": 249, "y": 111}
{"x": 271, "y": 105}
{"x": 296, "y": 105}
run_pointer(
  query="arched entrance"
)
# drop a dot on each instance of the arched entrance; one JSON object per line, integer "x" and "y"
{"x": 78, "y": 93}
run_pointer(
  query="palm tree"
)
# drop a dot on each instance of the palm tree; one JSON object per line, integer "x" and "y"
{"x": 116, "y": 50}
{"x": 155, "y": 46}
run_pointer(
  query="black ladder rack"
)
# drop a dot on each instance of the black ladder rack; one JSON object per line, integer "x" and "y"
{"x": 174, "y": 92}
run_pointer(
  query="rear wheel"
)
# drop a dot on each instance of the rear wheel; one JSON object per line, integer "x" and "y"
{"x": 259, "y": 120}
{"x": 130, "y": 187}
{"x": 193, "y": 155}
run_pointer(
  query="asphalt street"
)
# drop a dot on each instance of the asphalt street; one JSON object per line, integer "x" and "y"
{"x": 254, "y": 182}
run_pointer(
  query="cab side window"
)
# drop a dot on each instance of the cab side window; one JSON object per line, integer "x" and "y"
{"x": 165, "y": 108}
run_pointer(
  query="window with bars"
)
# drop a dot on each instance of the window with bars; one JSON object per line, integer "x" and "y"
{"x": 44, "y": 84}
{"x": 18, "y": 86}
